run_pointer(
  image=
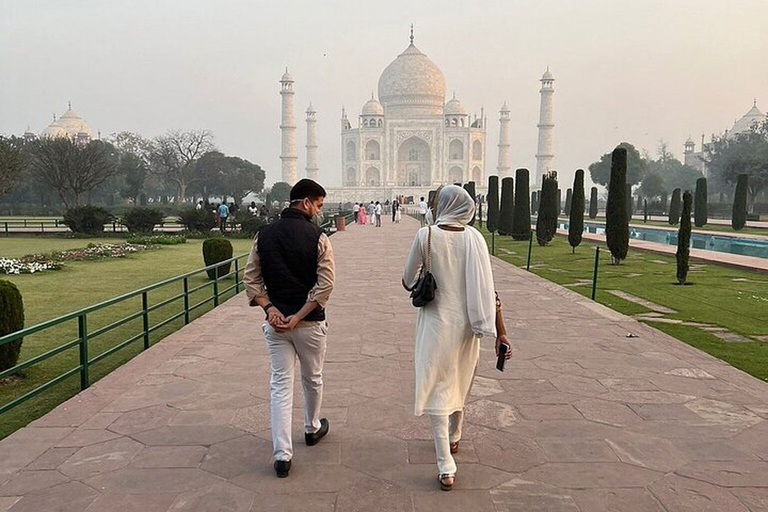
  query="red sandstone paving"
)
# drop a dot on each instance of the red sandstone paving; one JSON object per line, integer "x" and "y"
{"x": 582, "y": 420}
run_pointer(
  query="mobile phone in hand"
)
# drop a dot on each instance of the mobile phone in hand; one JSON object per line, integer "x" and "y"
{"x": 503, "y": 347}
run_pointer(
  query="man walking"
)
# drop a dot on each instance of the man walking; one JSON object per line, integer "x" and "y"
{"x": 290, "y": 274}
{"x": 421, "y": 210}
{"x": 377, "y": 211}
{"x": 355, "y": 211}
{"x": 223, "y": 214}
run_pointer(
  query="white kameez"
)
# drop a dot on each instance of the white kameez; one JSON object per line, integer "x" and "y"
{"x": 446, "y": 350}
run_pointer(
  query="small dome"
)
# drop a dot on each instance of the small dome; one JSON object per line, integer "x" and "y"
{"x": 454, "y": 108}
{"x": 373, "y": 108}
{"x": 311, "y": 109}
{"x": 689, "y": 142}
{"x": 547, "y": 75}
{"x": 744, "y": 125}
{"x": 286, "y": 76}
{"x": 68, "y": 125}
{"x": 412, "y": 79}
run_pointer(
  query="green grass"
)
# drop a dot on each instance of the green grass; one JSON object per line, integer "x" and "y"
{"x": 713, "y": 298}
{"x": 51, "y": 294}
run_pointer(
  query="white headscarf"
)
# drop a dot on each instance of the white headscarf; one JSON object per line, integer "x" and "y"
{"x": 455, "y": 207}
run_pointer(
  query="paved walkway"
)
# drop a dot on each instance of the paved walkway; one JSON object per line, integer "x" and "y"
{"x": 584, "y": 419}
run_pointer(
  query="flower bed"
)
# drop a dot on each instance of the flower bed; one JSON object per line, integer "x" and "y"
{"x": 157, "y": 239}
{"x": 33, "y": 263}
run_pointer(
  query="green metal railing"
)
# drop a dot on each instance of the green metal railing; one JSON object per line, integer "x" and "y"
{"x": 84, "y": 336}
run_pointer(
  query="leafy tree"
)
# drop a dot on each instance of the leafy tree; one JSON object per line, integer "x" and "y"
{"x": 684, "y": 240}
{"x": 493, "y": 203}
{"x": 674, "y": 208}
{"x": 507, "y": 206}
{"x": 593, "y": 203}
{"x": 637, "y": 167}
{"x": 546, "y": 221}
{"x": 652, "y": 186}
{"x": 71, "y": 169}
{"x": 700, "y": 210}
{"x": 281, "y": 192}
{"x": 12, "y": 163}
{"x": 521, "y": 220}
{"x": 173, "y": 156}
{"x": 616, "y": 221}
{"x": 576, "y": 220}
{"x": 134, "y": 172}
{"x": 739, "y": 216}
{"x": 745, "y": 153}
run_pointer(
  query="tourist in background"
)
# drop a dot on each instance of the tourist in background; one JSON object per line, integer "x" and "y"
{"x": 361, "y": 216}
{"x": 449, "y": 328}
{"x": 223, "y": 214}
{"x": 355, "y": 211}
{"x": 421, "y": 212}
{"x": 371, "y": 213}
{"x": 398, "y": 214}
{"x": 253, "y": 209}
{"x": 290, "y": 274}
{"x": 377, "y": 212}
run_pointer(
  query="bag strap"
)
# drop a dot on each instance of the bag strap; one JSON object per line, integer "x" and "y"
{"x": 429, "y": 248}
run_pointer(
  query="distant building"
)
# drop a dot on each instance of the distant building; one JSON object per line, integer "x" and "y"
{"x": 69, "y": 125}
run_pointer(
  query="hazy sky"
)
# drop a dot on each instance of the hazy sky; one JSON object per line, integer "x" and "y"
{"x": 638, "y": 71}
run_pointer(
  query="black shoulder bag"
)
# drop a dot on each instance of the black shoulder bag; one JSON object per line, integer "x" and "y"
{"x": 424, "y": 291}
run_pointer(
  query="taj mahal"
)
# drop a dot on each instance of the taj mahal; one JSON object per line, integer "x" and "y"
{"x": 409, "y": 140}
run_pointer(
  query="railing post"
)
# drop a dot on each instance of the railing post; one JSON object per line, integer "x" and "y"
{"x": 594, "y": 276}
{"x": 42, "y": 227}
{"x": 6, "y": 230}
{"x": 216, "y": 287}
{"x": 82, "y": 332}
{"x": 530, "y": 249}
{"x": 237, "y": 276}
{"x": 114, "y": 229}
{"x": 25, "y": 222}
{"x": 186, "y": 300}
{"x": 145, "y": 318}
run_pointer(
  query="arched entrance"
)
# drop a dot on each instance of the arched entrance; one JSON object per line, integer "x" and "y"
{"x": 455, "y": 175}
{"x": 414, "y": 163}
{"x": 372, "y": 177}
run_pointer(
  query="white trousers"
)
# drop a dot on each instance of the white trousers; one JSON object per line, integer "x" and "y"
{"x": 308, "y": 343}
{"x": 446, "y": 429}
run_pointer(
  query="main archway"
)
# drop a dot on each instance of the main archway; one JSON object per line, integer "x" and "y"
{"x": 414, "y": 162}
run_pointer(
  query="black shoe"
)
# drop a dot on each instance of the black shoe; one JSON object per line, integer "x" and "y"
{"x": 282, "y": 468}
{"x": 313, "y": 439}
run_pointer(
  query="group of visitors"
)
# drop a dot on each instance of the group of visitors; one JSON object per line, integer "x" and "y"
{"x": 371, "y": 213}
{"x": 291, "y": 272}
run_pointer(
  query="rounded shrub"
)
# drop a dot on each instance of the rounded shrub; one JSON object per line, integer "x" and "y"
{"x": 87, "y": 220}
{"x": 11, "y": 320}
{"x": 197, "y": 221}
{"x": 142, "y": 219}
{"x": 250, "y": 224}
{"x": 214, "y": 251}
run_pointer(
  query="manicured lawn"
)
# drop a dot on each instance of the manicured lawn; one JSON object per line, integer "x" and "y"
{"x": 736, "y": 300}
{"x": 54, "y": 293}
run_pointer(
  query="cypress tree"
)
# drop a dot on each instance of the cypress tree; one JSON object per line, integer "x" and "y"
{"x": 521, "y": 220}
{"x": 684, "y": 240}
{"x": 664, "y": 201}
{"x": 493, "y": 203}
{"x": 470, "y": 188}
{"x": 546, "y": 221}
{"x": 507, "y": 206}
{"x": 534, "y": 203}
{"x": 645, "y": 210}
{"x": 576, "y": 220}
{"x": 674, "y": 207}
{"x": 700, "y": 207}
{"x": 568, "y": 199}
{"x": 616, "y": 220}
{"x": 559, "y": 201}
{"x": 739, "y": 216}
{"x": 593, "y": 203}
{"x": 630, "y": 202}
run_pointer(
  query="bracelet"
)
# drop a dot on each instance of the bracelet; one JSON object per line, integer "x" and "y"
{"x": 266, "y": 308}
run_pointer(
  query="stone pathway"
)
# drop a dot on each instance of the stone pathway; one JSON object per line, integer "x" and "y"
{"x": 584, "y": 419}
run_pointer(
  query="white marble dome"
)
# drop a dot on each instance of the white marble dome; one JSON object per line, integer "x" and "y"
{"x": 373, "y": 108}
{"x": 68, "y": 125}
{"x": 748, "y": 120}
{"x": 412, "y": 79}
{"x": 455, "y": 108}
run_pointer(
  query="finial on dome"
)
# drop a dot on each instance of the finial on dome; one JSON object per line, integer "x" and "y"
{"x": 754, "y": 103}
{"x": 54, "y": 116}
{"x": 69, "y": 104}
{"x": 454, "y": 94}
{"x": 371, "y": 94}
{"x": 411, "y": 33}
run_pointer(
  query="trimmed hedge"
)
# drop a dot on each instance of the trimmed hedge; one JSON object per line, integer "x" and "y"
{"x": 616, "y": 219}
{"x": 197, "y": 221}
{"x": 507, "y": 206}
{"x": 142, "y": 219}
{"x": 739, "y": 216}
{"x": 593, "y": 203}
{"x": 546, "y": 221}
{"x": 700, "y": 206}
{"x": 576, "y": 220}
{"x": 521, "y": 220}
{"x": 11, "y": 320}
{"x": 493, "y": 203}
{"x": 214, "y": 251}
{"x": 87, "y": 220}
{"x": 674, "y": 207}
{"x": 684, "y": 240}
{"x": 470, "y": 188}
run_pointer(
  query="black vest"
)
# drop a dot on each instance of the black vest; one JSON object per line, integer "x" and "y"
{"x": 288, "y": 257}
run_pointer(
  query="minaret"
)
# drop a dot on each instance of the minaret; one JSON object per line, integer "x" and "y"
{"x": 546, "y": 148}
{"x": 288, "y": 156}
{"x": 312, "y": 168}
{"x": 504, "y": 169}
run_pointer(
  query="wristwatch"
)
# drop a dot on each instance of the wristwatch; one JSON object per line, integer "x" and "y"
{"x": 266, "y": 307}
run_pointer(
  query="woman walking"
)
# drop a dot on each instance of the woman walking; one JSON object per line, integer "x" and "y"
{"x": 361, "y": 217}
{"x": 449, "y": 328}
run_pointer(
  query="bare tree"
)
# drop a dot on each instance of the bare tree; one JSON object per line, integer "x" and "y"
{"x": 173, "y": 156}
{"x": 71, "y": 169}
{"x": 12, "y": 163}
